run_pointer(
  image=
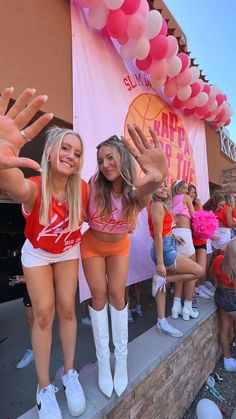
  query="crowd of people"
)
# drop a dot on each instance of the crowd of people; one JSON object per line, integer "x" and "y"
{"x": 57, "y": 202}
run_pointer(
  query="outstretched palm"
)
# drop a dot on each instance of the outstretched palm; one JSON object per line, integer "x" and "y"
{"x": 11, "y": 122}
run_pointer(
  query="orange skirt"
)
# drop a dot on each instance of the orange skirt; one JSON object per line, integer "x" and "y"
{"x": 91, "y": 247}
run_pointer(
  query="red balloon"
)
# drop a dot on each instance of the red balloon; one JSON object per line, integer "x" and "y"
{"x": 178, "y": 104}
{"x": 202, "y": 110}
{"x": 123, "y": 39}
{"x": 185, "y": 60}
{"x": 130, "y": 7}
{"x": 220, "y": 98}
{"x": 144, "y": 64}
{"x": 158, "y": 47}
{"x": 206, "y": 88}
{"x": 117, "y": 23}
{"x": 196, "y": 88}
{"x": 164, "y": 28}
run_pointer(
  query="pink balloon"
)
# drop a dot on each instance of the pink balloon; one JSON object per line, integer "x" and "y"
{"x": 144, "y": 64}
{"x": 164, "y": 28}
{"x": 158, "y": 47}
{"x": 227, "y": 122}
{"x": 178, "y": 104}
{"x": 171, "y": 87}
{"x": 158, "y": 69}
{"x": 113, "y": 4}
{"x": 196, "y": 88}
{"x": 191, "y": 103}
{"x": 184, "y": 93}
{"x": 141, "y": 48}
{"x": 143, "y": 7}
{"x": 195, "y": 72}
{"x": 206, "y": 88}
{"x": 184, "y": 78}
{"x": 97, "y": 16}
{"x": 130, "y": 7}
{"x": 117, "y": 23}
{"x": 89, "y": 3}
{"x": 172, "y": 46}
{"x": 220, "y": 115}
{"x": 202, "y": 99}
{"x": 173, "y": 66}
{"x": 135, "y": 26}
{"x": 189, "y": 112}
{"x": 185, "y": 60}
{"x": 202, "y": 110}
{"x": 123, "y": 39}
{"x": 220, "y": 98}
{"x": 156, "y": 83}
{"x": 153, "y": 23}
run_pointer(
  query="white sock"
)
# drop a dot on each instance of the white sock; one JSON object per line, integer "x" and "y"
{"x": 188, "y": 304}
{"x": 161, "y": 321}
{"x": 177, "y": 299}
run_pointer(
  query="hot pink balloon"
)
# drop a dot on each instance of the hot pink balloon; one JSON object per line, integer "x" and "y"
{"x": 196, "y": 88}
{"x": 184, "y": 78}
{"x": 178, "y": 104}
{"x": 173, "y": 66}
{"x": 164, "y": 28}
{"x": 172, "y": 46}
{"x": 143, "y": 7}
{"x": 123, "y": 39}
{"x": 171, "y": 87}
{"x": 202, "y": 110}
{"x": 135, "y": 26}
{"x": 158, "y": 47}
{"x": 206, "y": 88}
{"x": 116, "y": 23}
{"x": 220, "y": 98}
{"x": 144, "y": 64}
{"x": 189, "y": 112}
{"x": 185, "y": 60}
{"x": 130, "y": 7}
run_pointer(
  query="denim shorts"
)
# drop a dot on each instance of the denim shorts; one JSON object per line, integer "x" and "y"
{"x": 169, "y": 251}
{"x": 225, "y": 298}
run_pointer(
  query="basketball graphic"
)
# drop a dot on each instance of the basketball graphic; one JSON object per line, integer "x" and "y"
{"x": 148, "y": 110}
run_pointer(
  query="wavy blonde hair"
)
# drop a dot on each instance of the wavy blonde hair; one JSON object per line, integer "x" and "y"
{"x": 229, "y": 261}
{"x": 55, "y": 136}
{"x": 128, "y": 174}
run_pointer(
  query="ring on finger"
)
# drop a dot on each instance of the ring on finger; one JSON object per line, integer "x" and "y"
{"x": 138, "y": 155}
{"x": 23, "y": 134}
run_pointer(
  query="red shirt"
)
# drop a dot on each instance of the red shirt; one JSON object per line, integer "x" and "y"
{"x": 221, "y": 216}
{"x": 219, "y": 273}
{"x": 54, "y": 237}
{"x": 168, "y": 223}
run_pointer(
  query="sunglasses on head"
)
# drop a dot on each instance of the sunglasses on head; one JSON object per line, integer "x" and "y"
{"x": 113, "y": 138}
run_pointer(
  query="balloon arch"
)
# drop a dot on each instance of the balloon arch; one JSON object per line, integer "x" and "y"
{"x": 142, "y": 35}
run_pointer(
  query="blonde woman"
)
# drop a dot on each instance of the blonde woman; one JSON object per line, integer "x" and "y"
{"x": 53, "y": 205}
{"x": 116, "y": 197}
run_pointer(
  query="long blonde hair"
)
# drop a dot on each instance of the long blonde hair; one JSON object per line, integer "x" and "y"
{"x": 55, "y": 136}
{"x": 229, "y": 261}
{"x": 128, "y": 175}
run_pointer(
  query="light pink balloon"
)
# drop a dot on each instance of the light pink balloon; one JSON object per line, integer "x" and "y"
{"x": 173, "y": 46}
{"x": 158, "y": 47}
{"x": 156, "y": 83}
{"x": 178, "y": 104}
{"x": 191, "y": 103}
{"x": 184, "y": 93}
{"x": 202, "y": 99}
{"x": 195, "y": 73}
{"x": 171, "y": 87}
{"x": 185, "y": 60}
{"x": 97, "y": 16}
{"x": 184, "y": 78}
{"x": 196, "y": 88}
{"x": 141, "y": 48}
{"x": 158, "y": 69}
{"x": 213, "y": 106}
{"x": 143, "y": 7}
{"x": 164, "y": 28}
{"x": 113, "y": 4}
{"x": 135, "y": 27}
{"x": 130, "y": 7}
{"x": 143, "y": 65}
{"x": 173, "y": 66}
{"x": 153, "y": 24}
{"x": 117, "y": 23}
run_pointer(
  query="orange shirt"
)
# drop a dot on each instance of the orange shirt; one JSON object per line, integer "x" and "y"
{"x": 221, "y": 216}
{"x": 168, "y": 223}
{"x": 54, "y": 237}
{"x": 219, "y": 273}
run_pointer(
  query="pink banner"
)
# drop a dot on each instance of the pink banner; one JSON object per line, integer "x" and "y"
{"x": 109, "y": 93}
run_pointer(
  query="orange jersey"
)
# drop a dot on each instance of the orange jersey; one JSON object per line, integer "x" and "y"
{"x": 54, "y": 237}
{"x": 168, "y": 223}
{"x": 219, "y": 273}
{"x": 221, "y": 216}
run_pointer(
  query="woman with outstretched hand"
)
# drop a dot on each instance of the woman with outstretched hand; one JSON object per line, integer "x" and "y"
{"x": 53, "y": 205}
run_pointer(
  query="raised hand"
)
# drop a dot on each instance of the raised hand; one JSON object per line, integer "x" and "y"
{"x": 12, "y": 135}
{"x": 151, "y": 159}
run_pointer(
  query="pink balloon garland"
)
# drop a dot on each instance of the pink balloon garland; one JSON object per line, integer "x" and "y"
{"x": 143, "y": 36}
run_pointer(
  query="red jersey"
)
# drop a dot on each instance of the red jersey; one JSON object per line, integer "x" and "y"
{"x": 219, "y": 273}
{"x": 54, "y": 237}
{"x": 221, "y": 216}
{"x": 168, "y": 223}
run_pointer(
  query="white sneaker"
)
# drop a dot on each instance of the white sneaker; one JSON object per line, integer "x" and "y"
{"x": 47, "y": 403}
{"x": 86, "y": 321}
{"x": 26, "y": 360}
{"x": 230, "y": 364}
{"x": 165, "y": 327}
{"x": 200, "y": 292}
{"x": 158, "y": 284}
{"x": 207, "y": 291}
{"x": 74, "y": 393}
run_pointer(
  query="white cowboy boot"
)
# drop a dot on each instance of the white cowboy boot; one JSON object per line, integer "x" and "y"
{"x": 101, "y": 339}
{"x": 119, "y": 322}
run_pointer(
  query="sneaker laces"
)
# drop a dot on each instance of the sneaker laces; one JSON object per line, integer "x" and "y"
{"x": 73, "y": 384}
{"x": 50, "y": 402}
{"x": 167, "y": 326}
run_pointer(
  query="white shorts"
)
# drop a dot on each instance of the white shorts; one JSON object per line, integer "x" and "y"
{"x": 186, "y": 249}
{"x": 209, "y": 247}
{"x": 31, "y": 257}
{"x": 224, "y": 235}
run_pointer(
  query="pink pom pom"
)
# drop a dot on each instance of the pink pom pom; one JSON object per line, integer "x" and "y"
{"x": 204, "y": 224}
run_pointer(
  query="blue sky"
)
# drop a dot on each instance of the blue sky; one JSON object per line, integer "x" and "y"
{"x": 210, "y": 28}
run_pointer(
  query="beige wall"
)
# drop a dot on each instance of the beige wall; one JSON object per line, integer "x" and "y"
{"x": 35, "y": 50}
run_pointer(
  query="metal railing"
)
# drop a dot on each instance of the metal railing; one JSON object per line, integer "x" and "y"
{"x": 227, "y": 146}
